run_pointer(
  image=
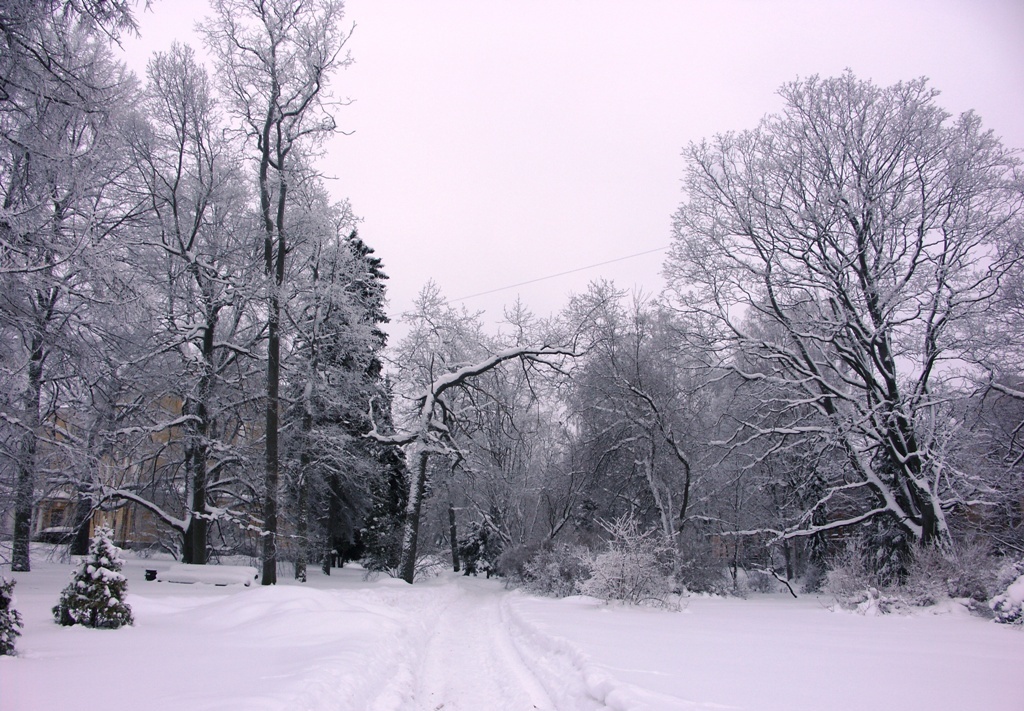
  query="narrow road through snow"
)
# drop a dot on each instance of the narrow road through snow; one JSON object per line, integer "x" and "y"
{"x": 469, "y": 662}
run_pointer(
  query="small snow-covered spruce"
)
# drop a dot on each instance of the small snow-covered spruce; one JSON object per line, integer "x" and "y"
{"x": 96, "y": 595}
{"x": 10, "y": 619}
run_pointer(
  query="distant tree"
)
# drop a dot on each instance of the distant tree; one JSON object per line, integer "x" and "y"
{"x": 60, "y": 205}
{"x": 444, "y": 390}
{"x": 836, "y": 257}
{"x": 95, "y": 597}
{"x": 480, "y": 548}
{"x": 385, "y": 521}
{"x": 333, "y": 369}
{"x": 194, "y": 338}
{"x": 637, "y": 401}
{"x": 274, "y": 59}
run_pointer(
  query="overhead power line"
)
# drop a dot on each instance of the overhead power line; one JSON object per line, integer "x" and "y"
{"x": 560, "y": 274}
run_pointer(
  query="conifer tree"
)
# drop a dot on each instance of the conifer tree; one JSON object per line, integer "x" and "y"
{"x": 95, "y": 597}
{"x": 382, "y": 530}
{"x": 10, "y": 619}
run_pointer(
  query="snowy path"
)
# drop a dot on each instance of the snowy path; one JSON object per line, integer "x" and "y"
{"x": 469, "y": 661}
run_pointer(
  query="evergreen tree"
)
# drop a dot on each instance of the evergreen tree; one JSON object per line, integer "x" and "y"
{"x": 382, "y": 532}
{"x": 480, "y": 549}
{"x": 96, "y": 595}
{"x": 10, "y": 619}
{"x": 335, "y": 373}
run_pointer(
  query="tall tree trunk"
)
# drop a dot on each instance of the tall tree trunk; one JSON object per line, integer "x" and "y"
{"x": 272, "y": 473}
{"x": 200, "y": 512}
{"x": 302, "y": 515}
{"x": 273, "y": 254}
{"x": 453, "y": 536}
{"x": 80, "y": 526}
{"x": 25, "y": 486}
{"x": 407, "y": 566}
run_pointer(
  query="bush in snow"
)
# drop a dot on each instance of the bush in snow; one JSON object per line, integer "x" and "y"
{"x": 633, "y": 569}
{"x": 699, "y": 571}
{"x": 513, "y": 561}
{"x": 963, "y": 571}
{"x": 95, "y": 596}
{"x": 1008, "y": 606}
{"x": 10, "y": 619}
{"x": 556, "y": 571}
{"x": 847, "y": 576}
{"x": 960, "y": 571}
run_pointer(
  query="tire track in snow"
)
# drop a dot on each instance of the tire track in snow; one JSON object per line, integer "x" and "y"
{"x": 469, "y": 661}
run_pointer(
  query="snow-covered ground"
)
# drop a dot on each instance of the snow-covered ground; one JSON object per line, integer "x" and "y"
{"x": 453, "y": 643}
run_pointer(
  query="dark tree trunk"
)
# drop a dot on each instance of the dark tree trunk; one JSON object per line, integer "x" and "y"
{"x": 187, "y": 554}
{"x": 302, "y": 527}
{"x": 272, "y": 474}
{"x": 80, "y": 534}
{"x": 200, "y": 526}
{"x": 407, "y": 567}
{"x": 453, "y": 536}
{"x": 274, "y": 254}
{"x": 26, "y": 479}
{"x": 302, "y": 503}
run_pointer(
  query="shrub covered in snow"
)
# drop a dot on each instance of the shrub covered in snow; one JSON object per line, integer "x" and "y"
{"x": 963, "y": 570}
{"x": 1008, "y": 606}
{"x": 699, "y": 572}
{"x": 10, "y": 619}
{"x": 633, "y": 569}
{"x": 555, "y": 571}
{"x": 848, "y": 575}
{"x": 95, "y": 597}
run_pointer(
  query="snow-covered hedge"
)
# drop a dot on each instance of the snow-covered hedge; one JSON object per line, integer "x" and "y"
{"x": 962, "y": 571}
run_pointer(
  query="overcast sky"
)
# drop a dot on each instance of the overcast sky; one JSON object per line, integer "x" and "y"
{"x": 497, "y": 142}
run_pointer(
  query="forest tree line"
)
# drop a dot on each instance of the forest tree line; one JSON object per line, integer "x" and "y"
{"x": 193, "y": 328}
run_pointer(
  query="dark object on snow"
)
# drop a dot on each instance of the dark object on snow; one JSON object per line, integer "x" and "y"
{"x": 150, "y": 574}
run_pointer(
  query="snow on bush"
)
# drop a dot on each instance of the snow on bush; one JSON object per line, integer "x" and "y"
{"x": 1009, "y": 606}
{"x": 958, "y": 571}
{"x": 698, "y": 570}
{"x": 961, "y": 570}
{"x": 557, "y": 572}
{"x": 631, "y": 570}
{"x": 10, "y": 619}
{"x": 95, "y": 597}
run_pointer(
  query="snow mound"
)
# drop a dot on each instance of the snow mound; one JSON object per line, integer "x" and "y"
{"x": 209, "y": 574}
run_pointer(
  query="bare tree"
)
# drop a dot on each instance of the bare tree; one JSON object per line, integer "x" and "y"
{"x": 836, "y": 255}
{"x": 637, "y": 402}
{"x": 59, "y": 204}
{"x": 194, "y": 248}
{"x": 440, "y": 388}
{"x": 274, "y": 58}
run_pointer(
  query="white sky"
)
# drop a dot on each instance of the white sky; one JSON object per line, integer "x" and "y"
{"x": 496, "y": 142}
